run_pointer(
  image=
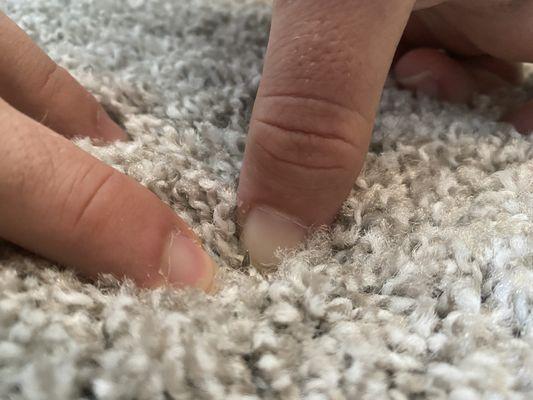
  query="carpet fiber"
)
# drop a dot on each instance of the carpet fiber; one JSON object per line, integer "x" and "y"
{"x": 422, "y": 289}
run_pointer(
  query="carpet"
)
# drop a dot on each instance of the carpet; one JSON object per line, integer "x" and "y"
{"x": 421, "y": 289}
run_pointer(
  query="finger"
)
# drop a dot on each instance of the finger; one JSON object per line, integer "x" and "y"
{"x": 522, "y": 118}
{"x": 417, "y": 34}
{"x": 434, "y": 73}
{"x": 325, "y": 67}
{"x": 66, "y": 205}
{"x": 427, "y": 28}
{"x": 493, "y": 73}
{"x": 37, "y": 86}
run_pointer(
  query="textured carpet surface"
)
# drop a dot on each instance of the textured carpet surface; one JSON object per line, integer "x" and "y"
{"x": 422, "y": 289}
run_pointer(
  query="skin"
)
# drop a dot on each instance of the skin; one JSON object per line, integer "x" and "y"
{"x": 324, "y": 71}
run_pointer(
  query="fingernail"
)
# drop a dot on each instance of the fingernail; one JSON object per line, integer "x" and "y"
{"x": 109, "y": 129}
{"x": 422, "y": 82}
{"x": 185, "y": 263}
{"x": 266, "y": 231}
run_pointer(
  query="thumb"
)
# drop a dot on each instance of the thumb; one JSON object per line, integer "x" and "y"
{"x": 325, "y": 67}
{"x": 65, "y": 205}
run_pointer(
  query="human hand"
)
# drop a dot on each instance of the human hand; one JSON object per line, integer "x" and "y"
{"x": 64, "y": 204}
{"x": 324, "y": 71}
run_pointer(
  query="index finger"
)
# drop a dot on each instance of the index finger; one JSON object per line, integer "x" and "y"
{"x": 325, "y": 67}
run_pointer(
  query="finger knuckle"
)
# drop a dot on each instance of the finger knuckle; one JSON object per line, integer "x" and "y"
{"x": 304, "y": 149}
{"x": 303, "y": 135}
{"x": 90, "y": 192}
{"x": 50, "y": 81}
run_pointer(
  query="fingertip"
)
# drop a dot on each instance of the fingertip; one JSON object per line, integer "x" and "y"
{"x": 185, "y": 264}
{"x": 109, "y": 130}
{"x": 266, "y": 231}
{"x": 435, "y": 74}
{"x": 423, "y": 82}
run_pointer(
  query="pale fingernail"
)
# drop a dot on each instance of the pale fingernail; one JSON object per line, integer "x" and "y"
{"x": 185, "y": 263}
{"x": 109, "y": 129}
{"x": 266, "y": 231}
{"x": 422, "y": 82}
